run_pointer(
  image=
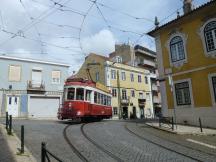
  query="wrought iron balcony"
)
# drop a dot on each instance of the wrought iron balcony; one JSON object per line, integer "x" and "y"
{"x": 141, "y": 101}
{"x": 125, "y": 101}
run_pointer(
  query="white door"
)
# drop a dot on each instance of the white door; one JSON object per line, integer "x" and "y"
{"x": 13, "y": 105}
{"x": 36, "y": 77}
{"x": 43, "y": 107}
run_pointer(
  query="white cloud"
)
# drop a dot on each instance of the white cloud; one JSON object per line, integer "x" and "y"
{"x": 102, "y": 42}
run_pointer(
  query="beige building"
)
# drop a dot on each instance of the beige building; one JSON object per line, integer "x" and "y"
{"x": 144, "y": 58}
{"x": 130, "y": 86}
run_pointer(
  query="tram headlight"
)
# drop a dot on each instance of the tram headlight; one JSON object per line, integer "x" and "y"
{"x": 70, "y": 104}
{"x": 78, "y": 112}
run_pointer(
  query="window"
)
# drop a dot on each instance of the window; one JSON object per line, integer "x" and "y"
{"x": 109, "y": 101}
{"x": 147, "y": 96}
{"x": 177, "y": 49}
{"x": 88, "y": 95}
{"x": 80, "y": 94}
{"x": 139, "y": 78}
{"x": 182, "y": 92}
{"x": 95, "y": 97}
{"x": 71, "y": 93}
{"x": 113, "y": 74}
{"x": 97, "y": 76}
{"x": 114, "y": 92}
{"x": 115, "y": 111}
{"x": 132, "y": 77}
{"x": 146, "y": 80}
{"x": 210, "y": 36}
{"x": 123, "y": 75}
{"x": 141, "y": 95}
{"x": 56, "y": 77}
{"x": 14, "y": 73}
{"x": 118, "y": 59}
{"x": 214, "y": 86}
{"x": 132, "y": 93}
{"x": 124, "y": 94}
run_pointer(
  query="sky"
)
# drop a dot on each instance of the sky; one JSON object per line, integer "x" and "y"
{"x": 66, "y": 31}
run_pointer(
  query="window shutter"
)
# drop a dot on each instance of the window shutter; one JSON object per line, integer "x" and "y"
{"x": 14, "y": 73}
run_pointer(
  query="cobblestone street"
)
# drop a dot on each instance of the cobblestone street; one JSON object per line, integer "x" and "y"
{"x": 112, "y": 141}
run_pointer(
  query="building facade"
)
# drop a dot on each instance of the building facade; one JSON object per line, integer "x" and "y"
{"x": 130, "y": 86}
{"x": 186, "y": 54}
{"x": 31, "y": 88}
{"x": 144, "y": 58}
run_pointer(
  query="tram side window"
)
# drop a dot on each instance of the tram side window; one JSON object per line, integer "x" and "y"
{"x": 99, "y": 98}
{"x": 88, "y": 95}
{"x": 105, "y": 100}
{"x": 95, "y": 97}
{"x": 109, "y": 101}
{"x": 102, "y": 99}
{"x": 80, "y": 94}
{"x": 70, "y": 93}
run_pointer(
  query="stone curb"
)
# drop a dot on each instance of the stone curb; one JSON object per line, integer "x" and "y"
{"x": 180, "y": 133}
{"x": 14, "y": 143}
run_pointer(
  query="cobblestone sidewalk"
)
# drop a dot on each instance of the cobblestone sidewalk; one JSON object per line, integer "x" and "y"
{"x": 9, "y": 148}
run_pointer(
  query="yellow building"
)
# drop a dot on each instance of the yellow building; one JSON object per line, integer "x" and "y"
{"x": 186, "y": 54}
{"x": 130, "y": 86}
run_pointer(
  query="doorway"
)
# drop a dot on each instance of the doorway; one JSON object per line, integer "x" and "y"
{"x": 134, "y": 113}
{"x": 141, "y": 112}
{"x": 125, "y": 113}
{"x": 13, "y": 105}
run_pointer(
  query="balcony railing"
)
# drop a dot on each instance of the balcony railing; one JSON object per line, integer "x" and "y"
{"x": 141, "y": 101}
{"x": 32, "y": 86}
{"x": 156, "y": 99}
{"x": 125, "y": 101}
{"x": 154, "y": 87}
{"x": 147, "y": 63}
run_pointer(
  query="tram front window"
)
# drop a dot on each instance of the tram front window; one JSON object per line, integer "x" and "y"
{"x": 80, "y": 94}
{"x": 71, "y": 93}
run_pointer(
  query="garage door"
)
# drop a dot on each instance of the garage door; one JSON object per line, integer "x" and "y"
{"x": 43, "y": 107}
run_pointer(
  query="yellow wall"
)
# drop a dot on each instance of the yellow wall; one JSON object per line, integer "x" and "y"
{"x": 195, "y": 59}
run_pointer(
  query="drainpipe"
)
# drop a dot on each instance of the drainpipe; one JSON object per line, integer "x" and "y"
{"x": 119, "y": 95}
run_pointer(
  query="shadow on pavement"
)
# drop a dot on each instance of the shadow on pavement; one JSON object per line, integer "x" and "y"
{"x": 5, "y": 154}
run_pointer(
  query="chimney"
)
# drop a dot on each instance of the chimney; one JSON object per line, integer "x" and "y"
{"x": 187, "y": 7}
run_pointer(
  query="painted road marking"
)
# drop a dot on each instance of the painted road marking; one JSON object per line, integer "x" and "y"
{"x": 201, "y": 143}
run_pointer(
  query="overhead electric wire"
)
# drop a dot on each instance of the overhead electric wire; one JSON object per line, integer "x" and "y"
{"x": 36, "y": 29}
{"x": 121, "y": 12}
{"x": 49, "y": 44}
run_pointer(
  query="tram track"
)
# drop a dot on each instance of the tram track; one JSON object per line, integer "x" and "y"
{"x": 162, "y": 146}
{"x": 79, "y": 154}
{"x": 98, "y": 146}
{"x": 74, "y": 149}
{"x": 177, "y": 143}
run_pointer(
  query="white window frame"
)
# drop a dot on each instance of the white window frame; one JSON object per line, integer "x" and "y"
{"x": 123, "y": 78}
{"x": 191, "y": 94}
{"x": 132, "y": 77}
{"x": 114, "y": 90}
{"x": 139, "y": 78}
{"x": 113, "y": 74}
{"x": 59, "y": 77}
{"x": 202, "y": 35}
{"x": 211, "y": 89}
{"x": 184, "y": 39}
{"x": 118, "y": 59}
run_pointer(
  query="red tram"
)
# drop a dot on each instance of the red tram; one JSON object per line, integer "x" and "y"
{"x": 85, "y": 99}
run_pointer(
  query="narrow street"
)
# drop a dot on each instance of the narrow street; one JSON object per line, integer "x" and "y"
{"x": 112, "y": 141}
